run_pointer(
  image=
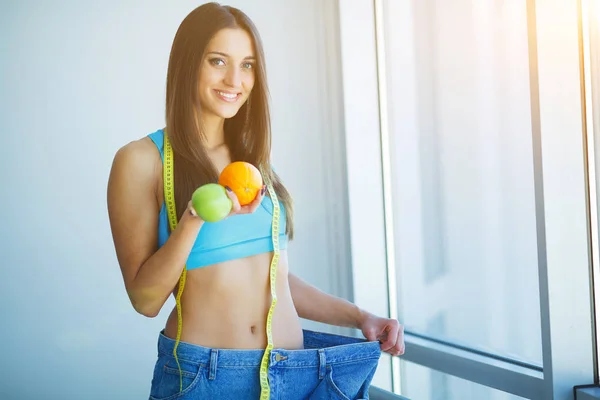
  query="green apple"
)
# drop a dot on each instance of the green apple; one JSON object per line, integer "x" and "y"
{"x": 211, "y": 202}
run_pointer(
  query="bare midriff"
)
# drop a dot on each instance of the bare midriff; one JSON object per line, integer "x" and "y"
{"x": 225, "y": 306}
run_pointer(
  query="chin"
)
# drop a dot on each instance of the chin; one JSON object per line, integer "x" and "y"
{"x": 227, "y": 113}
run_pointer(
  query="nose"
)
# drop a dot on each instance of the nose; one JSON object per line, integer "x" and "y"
{"x": 233, "y": 77}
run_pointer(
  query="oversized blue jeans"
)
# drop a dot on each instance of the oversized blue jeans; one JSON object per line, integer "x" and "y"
{"x": 329, "y": 367}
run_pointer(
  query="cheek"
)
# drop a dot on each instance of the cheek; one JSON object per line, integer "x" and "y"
{"x": 249, "y": 82}
{"x": 207, "y": 79}
{"x": 202, "y": 85}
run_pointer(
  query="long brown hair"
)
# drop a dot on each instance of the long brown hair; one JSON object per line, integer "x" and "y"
{"x": 247, "y": 134}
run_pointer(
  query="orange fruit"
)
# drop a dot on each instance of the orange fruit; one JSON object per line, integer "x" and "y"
{"x": 244, "y": 179}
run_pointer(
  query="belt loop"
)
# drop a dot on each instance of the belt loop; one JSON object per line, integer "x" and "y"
{"x": 322, "y": 363}
{"x": 213, "y": 364}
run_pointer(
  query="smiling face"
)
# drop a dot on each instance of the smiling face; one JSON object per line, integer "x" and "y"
{"x": 227, "y": 73}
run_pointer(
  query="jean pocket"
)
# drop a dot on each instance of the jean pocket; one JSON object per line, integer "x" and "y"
{"x": 169, "y": 383}
{"x": 328, "y": 389}
{"x": 334, "y": 391}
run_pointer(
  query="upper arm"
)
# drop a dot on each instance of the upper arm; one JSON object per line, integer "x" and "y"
{"x": 133, "y": 207}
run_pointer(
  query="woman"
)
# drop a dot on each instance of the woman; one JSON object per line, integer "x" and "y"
{"x": 216, "y": 337}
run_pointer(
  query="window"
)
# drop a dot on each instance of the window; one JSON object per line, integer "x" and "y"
{"x": 462, "y": 173}
{"x": 591, "y": 24}
{"x": 471, "y": 206}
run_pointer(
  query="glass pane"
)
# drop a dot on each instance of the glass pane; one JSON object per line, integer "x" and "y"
{"x": 462, "y": 170}
{"x": 427, "y": 384}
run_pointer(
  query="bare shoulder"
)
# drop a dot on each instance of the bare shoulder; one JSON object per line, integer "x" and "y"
{"x": 135, "y": 175}
{"x": 139, "y": 157}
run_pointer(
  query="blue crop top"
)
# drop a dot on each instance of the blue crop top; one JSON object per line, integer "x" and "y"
{"x": 237, "y": 236}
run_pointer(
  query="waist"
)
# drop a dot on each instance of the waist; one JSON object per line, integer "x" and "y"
{"x": 226, "y": 306}
{"x": 334, "y": 348}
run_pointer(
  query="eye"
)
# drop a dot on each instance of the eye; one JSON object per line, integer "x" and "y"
{"x": 248, "y": 65}
{"x": 217, "y": 61}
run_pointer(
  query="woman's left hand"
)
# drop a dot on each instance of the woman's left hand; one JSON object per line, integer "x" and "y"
{"x": 389, "y": 332}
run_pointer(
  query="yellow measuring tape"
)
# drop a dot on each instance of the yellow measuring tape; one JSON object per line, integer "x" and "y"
{"x": 265, "y": 390}
{"x": 171, "y": 212}
{"x": 169, "y": 194}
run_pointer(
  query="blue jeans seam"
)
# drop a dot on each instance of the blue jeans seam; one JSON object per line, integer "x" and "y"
{"x": 191, "y": 362}
{"x": 340, "y": 362}
{"x": 351, "y": 361}
{"x": 175, "y": 371}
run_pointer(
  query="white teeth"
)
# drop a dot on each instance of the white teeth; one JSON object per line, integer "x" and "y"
{"x": 228, "y": 95}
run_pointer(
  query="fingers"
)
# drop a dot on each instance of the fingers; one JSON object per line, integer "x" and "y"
{"x": 191, "y": 208}
{"x": 371, "y": 335}
{"x": 391, "y": 335}
{"x": 399, "y": 347}
{"x": 394, "y": 344}
{"x": 236, "y": 204}
{"x": 250, "y": 208}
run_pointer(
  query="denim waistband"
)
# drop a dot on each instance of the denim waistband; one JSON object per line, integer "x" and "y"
{"x": 319, "y": 348}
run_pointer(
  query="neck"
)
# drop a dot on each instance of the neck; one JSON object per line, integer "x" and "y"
{"x": 212, "y": 127}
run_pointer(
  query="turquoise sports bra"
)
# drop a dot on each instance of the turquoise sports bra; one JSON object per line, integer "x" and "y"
{"x": 235, "y": 237}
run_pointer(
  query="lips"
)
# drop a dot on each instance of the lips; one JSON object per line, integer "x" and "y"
{"x": 230, "y": 97}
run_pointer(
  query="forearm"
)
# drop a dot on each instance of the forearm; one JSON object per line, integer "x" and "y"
{"x": 159, "y": 275}
{"x": 315, "y": 305}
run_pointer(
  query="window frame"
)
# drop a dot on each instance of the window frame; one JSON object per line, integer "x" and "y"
{"x": 567, "y": 227}
{"x": 590, "y": 49}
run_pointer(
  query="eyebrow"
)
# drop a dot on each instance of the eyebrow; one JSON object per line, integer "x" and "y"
{"x": 227, "y": 55}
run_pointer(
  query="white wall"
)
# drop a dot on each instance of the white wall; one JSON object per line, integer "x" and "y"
{"x": 79, "y": 80}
